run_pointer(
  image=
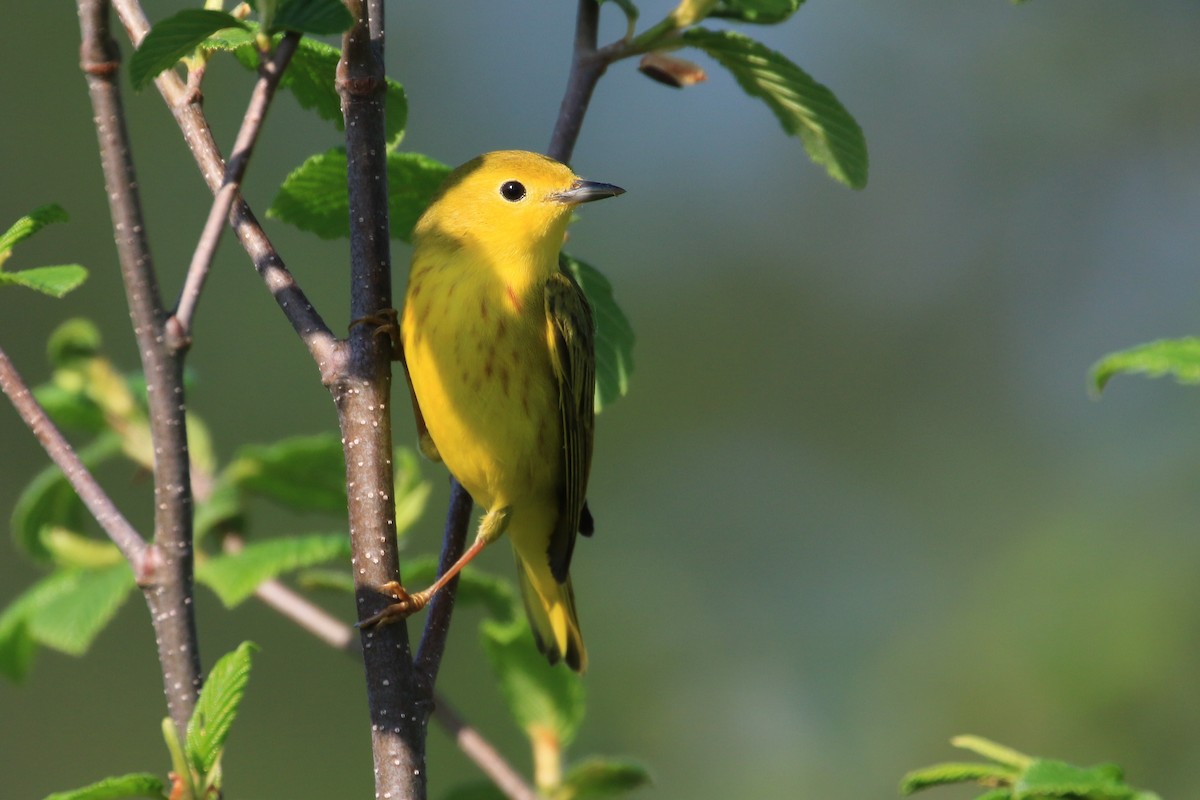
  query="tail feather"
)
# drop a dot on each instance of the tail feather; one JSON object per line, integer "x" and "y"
{"x": 550, "y": 606}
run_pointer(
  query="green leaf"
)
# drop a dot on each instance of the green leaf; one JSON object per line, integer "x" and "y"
{"x": 175, "y": 38}
{"x": 55, "y": 281}
{"x": 1179, "y": 358}
{"x": 995, "y": 751}
{"x": 221, "y": 508}
{"x": 235, "y": 576}
{"x": 1049, "y": 778}
{"x": 804, "y": 107}
{"x": 955, "y": 772}
{"x": 322, "y": 17}
{"x": 759, "y": 12}
{"x": 311, "y": 77}
{"x": 412, "y": 491}
{"x": 602, "y": 777}
{"x": 71, "y": 617}
{"x": 475, "y": 790}
{"x": 541, "y": 697}
{"x": 631, "y": 15}
{"x": 49, "y": 501}
{"x": 28, "y": 225}
{"x": 314, "y": 196}
{"x": 71, "y": 549}
{"x": 137, "y": 784}
{"x": 72, "y": 341}
{"x": 614, "y": 334}
{"x": 306, "y": 473}
{"x": 218, "y": 705}
{"x": 333, "y": 580}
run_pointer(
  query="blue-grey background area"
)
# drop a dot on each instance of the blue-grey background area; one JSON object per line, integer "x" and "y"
{"x": 858, "y": 499}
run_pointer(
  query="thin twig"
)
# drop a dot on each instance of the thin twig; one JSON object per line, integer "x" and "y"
{"x": 437, "y": 623}
{"x": 111, "y": 520}
{"x": 483, "y": 754}
{"x": 587, "y": 65}
{"x": 166, "y": 579}
{"x": 269, "y": 74}
{"x": 324, "y": 347}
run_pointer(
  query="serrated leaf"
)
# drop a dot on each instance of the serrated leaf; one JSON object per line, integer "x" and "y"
{"x": 173, "y": 39}
{"x": 314, "y": 196}
{"x": 49, "y": 501}
{"x": 603, "y": 777}
{"x": 306, "y": 473}
{"x": 803, "y": 107}
{"x": 28, "y": 225}
{"x": 321, "y": 17}
{"x": 759, "y": 12}
{"x": 217, "y": 707}
{"x": 955, "y": 772}
{"x": 540, "y": 697}
{"x": 54, "y": 281}
{"x": 85, "y": 602}
{"x": 614, "y": 334}
{"x": 138, "y": 784}
{"x": 235, "y": 576}
{"x": 1179, "y": 358}
{"x": 475, "y": 790}
{"x": 1047, "y": 778}
{"x": 311, "y": 76}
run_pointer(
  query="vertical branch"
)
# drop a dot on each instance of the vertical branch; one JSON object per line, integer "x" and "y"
{"x": 166, "y": 579}
{"x": 587, "y": 65}
{"x": 363, "y": 400}
{"x": 437, "y": 624}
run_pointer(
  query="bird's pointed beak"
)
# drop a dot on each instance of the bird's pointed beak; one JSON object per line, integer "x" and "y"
{"x": 582, "y": 191}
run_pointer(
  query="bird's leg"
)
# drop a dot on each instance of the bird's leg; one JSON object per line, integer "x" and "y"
{"x": 385, "y": 321}
{"x": 491, "y": 527}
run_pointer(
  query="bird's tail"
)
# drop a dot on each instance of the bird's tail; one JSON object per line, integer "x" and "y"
{"x": 550, "y": 606}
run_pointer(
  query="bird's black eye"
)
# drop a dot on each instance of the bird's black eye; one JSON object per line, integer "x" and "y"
{"x": 512, "y": 191}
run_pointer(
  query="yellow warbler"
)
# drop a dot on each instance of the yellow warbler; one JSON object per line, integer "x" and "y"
{"x": 498, "y": 343}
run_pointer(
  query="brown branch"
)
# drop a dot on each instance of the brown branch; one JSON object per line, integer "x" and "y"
{"x": 587, "y": 65}
{"x": 269, "y": 74}
{"x": 322, "y": 345}
{"x": 363, "y": 399}
{"x": 166, "y": 579}
{"x": 111, "y": 520}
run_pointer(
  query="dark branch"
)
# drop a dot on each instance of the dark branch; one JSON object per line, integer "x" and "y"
{"x": 166, "y": 577}
{"x": 437, "y": 624}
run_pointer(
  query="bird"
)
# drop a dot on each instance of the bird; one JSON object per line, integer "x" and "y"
{"x": 498, "y": 345}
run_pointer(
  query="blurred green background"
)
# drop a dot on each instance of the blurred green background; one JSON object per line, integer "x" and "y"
{"x": 858, "y": 499}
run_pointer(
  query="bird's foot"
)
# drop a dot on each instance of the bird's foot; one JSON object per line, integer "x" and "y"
{"x": 385, "y": 322}
{"x": 405, "y": 606}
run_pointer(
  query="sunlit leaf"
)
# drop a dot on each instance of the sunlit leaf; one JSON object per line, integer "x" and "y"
{"x": 138, "y": 784}
{"x": 235, "y": 576}
{"x": 218, "y": 705}
{"x": 55, "y": 281}
{"x": 175, "y": 38}
{"x": 301, "y": 472}
{"x": 803, "y": 107}
{"x": 761, "y": 12}
{"x": 82, "y": 605}
{"x": 541, "y": 697}
{"x": 314, "y": 196}
{"x": 30, "y": 224}
{"x": 1179, "y": 358}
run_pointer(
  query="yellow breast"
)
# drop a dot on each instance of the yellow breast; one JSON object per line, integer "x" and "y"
{"x": 476, "y": 352}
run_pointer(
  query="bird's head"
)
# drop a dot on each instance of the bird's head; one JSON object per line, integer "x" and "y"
{"x": 509, "y": 202}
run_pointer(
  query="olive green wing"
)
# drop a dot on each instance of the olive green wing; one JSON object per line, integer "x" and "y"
{"x": 570, "y": 333}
